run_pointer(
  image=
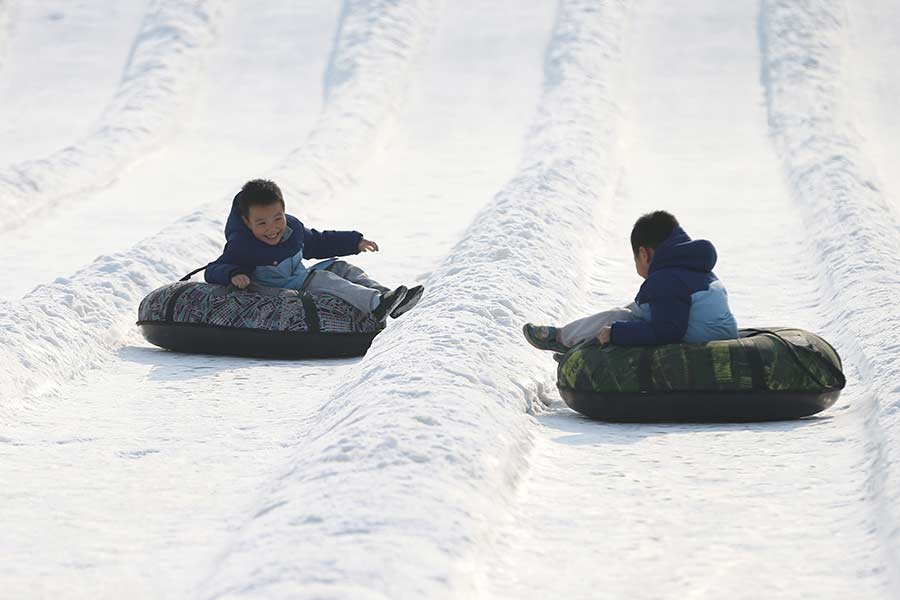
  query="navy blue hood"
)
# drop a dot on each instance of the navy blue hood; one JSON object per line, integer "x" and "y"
{"x": 680, "y": 251}
{"x": 235, "y": 224}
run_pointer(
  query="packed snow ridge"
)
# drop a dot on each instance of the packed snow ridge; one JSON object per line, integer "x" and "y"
{"x": 851, "y": 227}
{"x": 378, "y": 45}
{"x": 152, "y": 98}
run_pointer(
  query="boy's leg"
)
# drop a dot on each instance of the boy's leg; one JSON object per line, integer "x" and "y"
{"x": 363, "y": 298}
{"x": 354, "y": 274}
{"x": 589, "y": 327}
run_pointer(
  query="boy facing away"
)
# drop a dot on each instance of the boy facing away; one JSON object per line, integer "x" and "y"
{"x": 681, "y": 299}
{"x": 265, "y": 246}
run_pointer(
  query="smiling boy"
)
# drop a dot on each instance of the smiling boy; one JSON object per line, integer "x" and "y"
{"x": 266, "y": 246}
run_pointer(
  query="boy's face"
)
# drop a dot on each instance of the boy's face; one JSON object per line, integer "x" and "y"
{"x": 642, "y": 261}
{"x": 266, "y": 222}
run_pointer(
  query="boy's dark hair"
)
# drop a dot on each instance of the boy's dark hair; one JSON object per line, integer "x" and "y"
{"x": 258, "y": 192}
{"x": 652, "y": 229}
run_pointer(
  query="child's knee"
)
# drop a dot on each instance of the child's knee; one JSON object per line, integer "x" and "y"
{"x": 339, "y": 267}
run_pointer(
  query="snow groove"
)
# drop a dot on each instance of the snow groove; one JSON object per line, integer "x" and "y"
{"x": 158, "y": 78}
{"x": 61, "y": 329}
{"x": 850, "y": 225}
{"x": 376, "y": 36}
{"x": 412, "y": 459}
{"x": 5, "y": 27}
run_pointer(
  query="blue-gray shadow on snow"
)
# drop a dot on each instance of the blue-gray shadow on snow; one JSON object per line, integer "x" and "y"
{"x": 578, "y": 430}
{"x": 179, "y": 366}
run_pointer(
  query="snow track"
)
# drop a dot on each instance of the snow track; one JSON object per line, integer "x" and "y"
{"x": 160, "y": 75}
{"x": 708, "y": 505}
{"x": 5, "y": 28}
{"x": 439, "y": 406}
{"x": 209, "y": 458}
{"x": 63, "y": 328}
{"x": 873, "y": 50}
{"x": 443, "y": 464}
{"x": 851, "y": 227}
{"x": 365, "y": 83}
{"x": 63, "y": 64}
{"x": 259, "y": 100}
{"x": 60, "y": 329}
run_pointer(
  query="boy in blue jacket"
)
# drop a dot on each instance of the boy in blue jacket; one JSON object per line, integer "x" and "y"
{"x": 681, "y": 299}
{"x": 267, "y": 247}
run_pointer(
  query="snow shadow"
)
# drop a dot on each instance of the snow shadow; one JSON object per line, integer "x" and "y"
{"x": 577, "y": 430}
{"x": 178, "y": 366}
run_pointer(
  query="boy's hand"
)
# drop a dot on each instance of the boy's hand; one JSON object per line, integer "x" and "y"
{"x": 367, "y": 246}
{"x": 605, "y": 335}
{"x": 240, "y": 281}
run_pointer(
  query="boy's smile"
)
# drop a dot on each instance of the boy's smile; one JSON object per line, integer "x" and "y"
{"x": 266, "y": 222}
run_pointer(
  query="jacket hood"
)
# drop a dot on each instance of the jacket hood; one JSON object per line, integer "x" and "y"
{"x": 235, "y": 224}
{"x": 679, "y": 250}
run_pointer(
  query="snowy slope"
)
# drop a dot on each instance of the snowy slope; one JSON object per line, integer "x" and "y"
{"x": 873, "y": 49}
{"x": 504, "y": 128}
{"x": 715, "y": 507}
{"x": 852, "y": 227}
{"x": 6, "y": 18}
{"x": 431, "y": 422}
{"x": 498, "y": 152}
{"x": 88, "y": 310}
{"x": 162, "y": 63}
{"x": 226, "y": 132}
{"x": 55, "y": 55}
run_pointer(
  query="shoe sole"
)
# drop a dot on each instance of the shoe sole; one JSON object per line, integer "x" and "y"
{"x": 555, "y": 348}
{"x": 400, "y": 297}
{"x": 407, "y": 304}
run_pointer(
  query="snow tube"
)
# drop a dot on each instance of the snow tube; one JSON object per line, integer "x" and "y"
{"x": 764, "y": 375}
{"x": 258, "y": 322}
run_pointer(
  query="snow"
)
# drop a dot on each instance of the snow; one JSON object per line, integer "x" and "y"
{"x": 5, "y": 10}
{"x": 711, "y": 511}
{"x": 414, "y": 425}
{"x": 498, "y": 152}
{"x": 872, "y": 49}
{"x": 199, "y": 163}
{"x": 853, "y": 235}
{"x": 162, "y": 63}
{"x": 57, "y": 54}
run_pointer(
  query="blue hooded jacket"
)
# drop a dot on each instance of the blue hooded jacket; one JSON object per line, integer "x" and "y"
{"x": 244, "y": 253}
{"x": 681, "y": 299}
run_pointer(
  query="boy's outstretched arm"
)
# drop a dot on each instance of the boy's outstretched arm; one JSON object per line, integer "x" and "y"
{"x": 325, "y": 244}
{"x": 670, "y": 310}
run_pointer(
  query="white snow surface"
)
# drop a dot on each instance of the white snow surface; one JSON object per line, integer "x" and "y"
{"x": 5, "y": 9}
{"x": 162, "y": 64}
{"x": 43, "y": 332}
{"x": 499, "y": 153}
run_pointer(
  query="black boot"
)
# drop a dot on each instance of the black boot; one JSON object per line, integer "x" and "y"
{"x": 389, "y": 301}
{"x": 412, "y": 298}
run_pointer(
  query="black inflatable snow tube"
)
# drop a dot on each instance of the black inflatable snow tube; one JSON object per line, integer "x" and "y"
{"x": 697, "y": 407}
{"x": 764, "y": 375}
{"x": 259, "y": 322}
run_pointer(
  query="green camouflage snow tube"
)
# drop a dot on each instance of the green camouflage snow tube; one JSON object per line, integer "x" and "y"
{"x": 764, "y": 375}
